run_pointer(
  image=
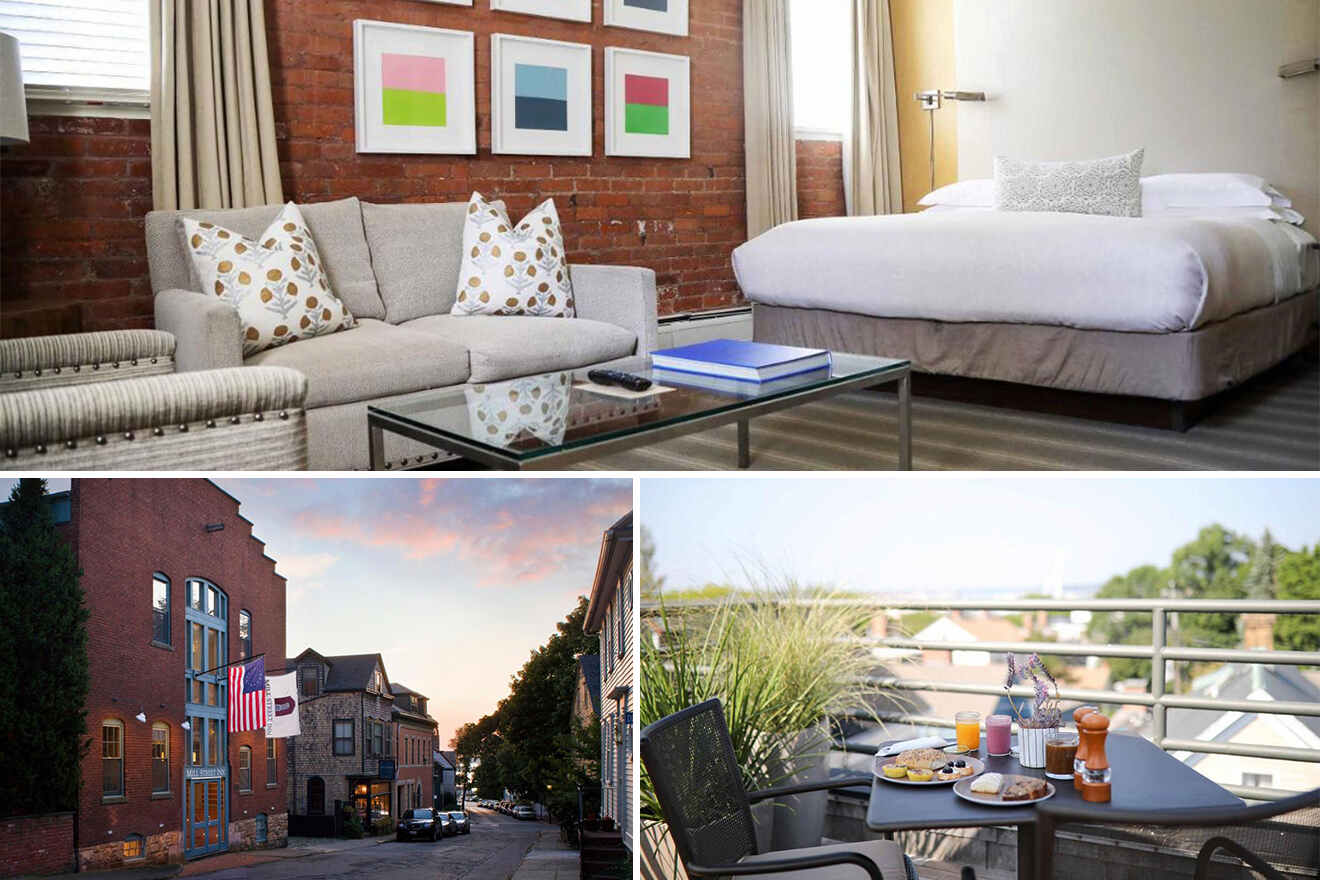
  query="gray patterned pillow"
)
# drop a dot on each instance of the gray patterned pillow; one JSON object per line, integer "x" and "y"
{"x": 1110, "y": 186}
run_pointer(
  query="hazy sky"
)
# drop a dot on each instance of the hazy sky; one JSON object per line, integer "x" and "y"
{"x": 944, "y": 532}
{"x": 454, "y": 582}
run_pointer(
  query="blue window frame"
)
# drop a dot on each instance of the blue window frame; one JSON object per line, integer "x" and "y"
{"x": 206, "y": 773}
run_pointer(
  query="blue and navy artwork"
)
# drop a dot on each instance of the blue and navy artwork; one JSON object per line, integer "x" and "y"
{"x": 540, "y": 97}
{"x": 653, "y": 5}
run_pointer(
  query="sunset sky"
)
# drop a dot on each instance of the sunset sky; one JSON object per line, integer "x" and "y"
{"x": 454, "y": 582}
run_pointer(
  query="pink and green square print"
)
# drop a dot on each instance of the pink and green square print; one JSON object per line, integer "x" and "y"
{"x": 412, "y": 90}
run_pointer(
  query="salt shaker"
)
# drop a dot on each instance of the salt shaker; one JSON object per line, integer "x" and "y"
{"x": 1079, "y": 762}
{"x": 1094, "y": 729}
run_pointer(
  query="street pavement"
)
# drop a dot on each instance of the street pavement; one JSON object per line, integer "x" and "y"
{"x": 493, "y": 851}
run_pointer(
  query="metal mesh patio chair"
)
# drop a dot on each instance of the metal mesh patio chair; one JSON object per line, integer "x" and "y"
{"x": 690, "y": 759}
{"x": 1278, "y": 840}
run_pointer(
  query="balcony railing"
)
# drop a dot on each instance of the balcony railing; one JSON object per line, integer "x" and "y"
{"x": 1158, "y": 651}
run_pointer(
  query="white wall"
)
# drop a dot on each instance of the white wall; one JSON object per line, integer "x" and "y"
{"x": 1193, "y": 81}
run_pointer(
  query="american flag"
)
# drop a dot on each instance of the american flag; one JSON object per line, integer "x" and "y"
{"x": 247, "y": 696}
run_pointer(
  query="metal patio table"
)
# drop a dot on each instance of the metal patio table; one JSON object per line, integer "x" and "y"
{"x": 581, "y": 424}
{"x": 1145, "y": 778}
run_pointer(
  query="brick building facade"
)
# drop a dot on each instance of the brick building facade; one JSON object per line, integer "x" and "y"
{"x": 416, "y": 735}
{"x": 176, "y": 584}
{"x": 345, "y": 710}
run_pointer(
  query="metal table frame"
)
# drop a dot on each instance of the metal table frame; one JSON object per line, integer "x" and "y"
{"x": 379, "y": 421}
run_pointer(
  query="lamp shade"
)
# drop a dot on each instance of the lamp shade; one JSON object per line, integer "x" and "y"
{"x": 13, "y": 103}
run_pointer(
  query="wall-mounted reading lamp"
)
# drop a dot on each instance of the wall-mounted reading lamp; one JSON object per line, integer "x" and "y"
{"x": 930, "y": 101}
{"x": 1299, "y": 68}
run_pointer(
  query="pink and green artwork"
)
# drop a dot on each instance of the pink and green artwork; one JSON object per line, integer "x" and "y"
{"x": 412, "y": 90}
{"x": 646, "y": 104}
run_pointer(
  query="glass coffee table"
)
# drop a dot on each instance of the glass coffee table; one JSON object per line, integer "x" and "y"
{"x": 550, "y": 420}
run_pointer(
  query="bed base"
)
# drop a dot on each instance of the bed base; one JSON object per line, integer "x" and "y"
{"x": 1162, "y": 380}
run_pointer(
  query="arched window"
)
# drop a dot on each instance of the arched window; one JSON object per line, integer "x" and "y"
{"x": 135, "y": 847}
{"x": 316, "y": 796}
{"x": 261, "y": 827}
{"x": 112, "y": 759}
{"x": 244, "y": 768}
{"x": 244, "y": 633}
{"x": 160, "y": 609}
{"x": 160, "y": 758}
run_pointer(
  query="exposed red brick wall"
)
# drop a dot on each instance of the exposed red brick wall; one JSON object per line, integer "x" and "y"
{"x": 820, "y": 179}
{"x": 123, "y": 531}
{"x": 36, "y": 844}
{"x": 72, "y": 256}
{"x": 73, "y": 200}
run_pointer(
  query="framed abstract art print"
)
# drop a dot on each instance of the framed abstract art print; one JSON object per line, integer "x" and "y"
{"x": 414, "y": 89}
{"x": 661, "y": 16}
{"x": 540, "y": 96}
{"x": 572, "y": 10}
{"x": 648, "y": 102}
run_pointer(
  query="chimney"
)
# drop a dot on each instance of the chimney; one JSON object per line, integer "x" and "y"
{"x": 1258, "y": 632}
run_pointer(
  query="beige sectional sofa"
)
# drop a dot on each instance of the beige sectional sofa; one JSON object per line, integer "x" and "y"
{"x": 396, "y": 268}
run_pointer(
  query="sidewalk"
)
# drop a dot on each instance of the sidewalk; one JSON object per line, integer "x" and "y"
{"x": 548, "y": 859}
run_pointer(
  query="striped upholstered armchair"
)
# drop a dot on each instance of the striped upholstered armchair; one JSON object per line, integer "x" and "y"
{"x": 112, "y": 401}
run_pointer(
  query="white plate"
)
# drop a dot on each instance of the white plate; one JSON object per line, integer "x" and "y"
{"x": 995, "y": 800}
{"x": 977, "y": 765}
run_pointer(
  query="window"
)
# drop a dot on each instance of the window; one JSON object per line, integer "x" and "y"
{"x": 316, "y": 796}
{"x": 160, "y": 609}
{"x": 343, "y": 736}
{"x": 377, "y": 739}
{"x": 112, "y": 759}
{"x": 195, "y": 735}
{"x": 821, "y": 33}
{"x": 212, "y": 742}
{"x": 244, "y": 768}
{"x": 134, "y": 847}
{"x": 1258, "y": 780}
{"x": 308, "y": 685}
{"x": 160, "y": 758}
{"x": 619, "y": 614}
{"x": 272, "y": 764}
{"x": 244, "y": 634}
{"x": 83, "y": 49}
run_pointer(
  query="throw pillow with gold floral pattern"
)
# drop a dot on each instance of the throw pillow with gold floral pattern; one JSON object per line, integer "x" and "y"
{"x": 513, "y": 270}
{"x": 277, "y": 284}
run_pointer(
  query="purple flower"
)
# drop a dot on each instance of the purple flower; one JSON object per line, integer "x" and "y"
{"x": 1012, "y": 672}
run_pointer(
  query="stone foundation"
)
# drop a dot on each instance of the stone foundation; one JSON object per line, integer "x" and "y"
{"x": 243, "y": 833}
{"x": 160, "y": 849}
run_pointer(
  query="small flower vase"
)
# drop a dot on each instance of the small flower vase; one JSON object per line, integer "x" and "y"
{"x": 1031, "y": 746}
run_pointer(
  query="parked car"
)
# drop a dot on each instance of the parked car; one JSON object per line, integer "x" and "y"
{"x": 461, "y": 824}
{"x": 420, "y": 823}
{"x": 522, "y": 811}
{"x": 450, "y": 827}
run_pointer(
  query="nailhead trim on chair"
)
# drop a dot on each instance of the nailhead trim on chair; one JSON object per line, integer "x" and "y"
{"x": 72, "y": 443}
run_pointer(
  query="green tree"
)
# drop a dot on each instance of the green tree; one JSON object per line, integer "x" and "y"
{"x": 1128, "y": 628}
{"x": 1261, "y": 580}
{"x": 1299, "y": 578}
{"x": 44, "y": 657}
{"x": 1213, "y": 566}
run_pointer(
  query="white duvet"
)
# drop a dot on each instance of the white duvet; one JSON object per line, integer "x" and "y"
{"x": 1102, "y": 273}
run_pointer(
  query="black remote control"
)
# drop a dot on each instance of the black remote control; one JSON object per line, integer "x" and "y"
{"x": 618, "y": 377}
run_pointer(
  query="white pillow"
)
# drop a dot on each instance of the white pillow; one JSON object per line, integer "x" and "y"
{"x": 513, "y": 270}
{"x": 1214, "y": 190}
{"x": 277, "y": 285}
{"x": 980, "y": 193}
{"x": 1109, "y": 187}
{"x": 1235, "y": 212}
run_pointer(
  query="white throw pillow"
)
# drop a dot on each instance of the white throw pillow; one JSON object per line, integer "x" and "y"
{"x": 1109, "y": 186}
{"x": 1214, "y": 190}
{"x": 277, "y": 285}
{"x": 503, "y": 413}
{"x": 513, "y": 270}
{"x": 1257, "y": 212}
{"x": 980, "y": 193}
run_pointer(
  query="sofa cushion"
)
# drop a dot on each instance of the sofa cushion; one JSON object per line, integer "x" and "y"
{"x": 513, "y": 270}
{"x": 415, "y": 250}
{"x": 372, "y": 360}
{"x": 505, "y": 346}
{"x": 336, "y": 226}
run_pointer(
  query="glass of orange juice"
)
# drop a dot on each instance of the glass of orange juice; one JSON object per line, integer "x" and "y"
{"x": 968, "y": 727}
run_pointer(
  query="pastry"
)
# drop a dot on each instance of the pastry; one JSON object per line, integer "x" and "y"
{"x": 948, "y": 772}
{"x": 966, "y": 771}
{"x": 1025, "y": 788}
{"x": 922, "y": 759}
{"x": 916, "y": 774}
{"x": 989, "y": 783}
{"x": 893, "y": 771}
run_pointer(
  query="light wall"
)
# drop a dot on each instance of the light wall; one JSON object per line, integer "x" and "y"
{"x": 924, "y": 59}
{"x": 1193, "y": 81}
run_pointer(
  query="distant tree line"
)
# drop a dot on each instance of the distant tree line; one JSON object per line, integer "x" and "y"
{"x": 1217, "y": 564}
{"x": 528, "y": 745}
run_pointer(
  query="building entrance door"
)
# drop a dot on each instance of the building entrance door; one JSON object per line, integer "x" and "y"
{"x": 205, "y": 826}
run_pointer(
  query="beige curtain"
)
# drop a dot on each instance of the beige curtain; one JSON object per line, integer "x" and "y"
{"x": 212, "y": 121}
{"x": 768, "y": 116}
{"x": 873, "y": 182}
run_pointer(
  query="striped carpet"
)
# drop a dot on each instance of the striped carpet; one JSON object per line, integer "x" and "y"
{"x": 1271, "y": 424}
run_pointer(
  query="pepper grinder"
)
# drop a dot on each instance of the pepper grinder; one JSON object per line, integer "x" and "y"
{"x": 1093, "y": 730}
{"x": 1079, "y": 762}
